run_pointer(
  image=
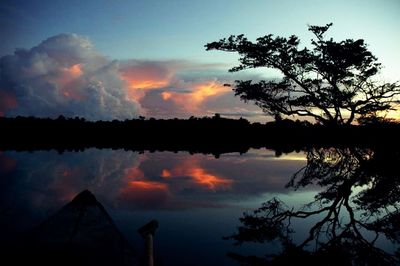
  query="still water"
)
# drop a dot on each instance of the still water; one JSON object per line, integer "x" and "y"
{"x": 197, "y": 198}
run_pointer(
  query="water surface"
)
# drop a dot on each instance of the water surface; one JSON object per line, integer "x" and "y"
{"x": 197, "y": 199}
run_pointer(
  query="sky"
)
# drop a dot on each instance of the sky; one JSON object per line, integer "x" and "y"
{"x": 118, "y": 59}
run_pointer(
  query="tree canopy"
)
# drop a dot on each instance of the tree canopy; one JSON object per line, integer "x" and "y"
{"x": 333, "y": 82}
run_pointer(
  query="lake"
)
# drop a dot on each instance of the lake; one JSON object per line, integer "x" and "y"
{"x": 197, "y": 198}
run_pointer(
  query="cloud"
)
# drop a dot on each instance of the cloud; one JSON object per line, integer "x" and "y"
{"x": 144, "y": 75}
{"x": 7, "y": 102}
{"x": 64, "y": 75}
{"x": 199, "y": 93}
{"x": 177, "y": 88}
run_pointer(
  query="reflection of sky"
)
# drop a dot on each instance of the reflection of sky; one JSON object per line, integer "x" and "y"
{"x": 196, "y": 197}
{"x": 145, "y": 181}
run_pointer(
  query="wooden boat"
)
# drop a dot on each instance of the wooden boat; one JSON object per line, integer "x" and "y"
{"x": 81, "y": 233}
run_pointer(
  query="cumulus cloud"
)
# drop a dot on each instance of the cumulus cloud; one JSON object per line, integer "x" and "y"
{"x": 64, "y": 75}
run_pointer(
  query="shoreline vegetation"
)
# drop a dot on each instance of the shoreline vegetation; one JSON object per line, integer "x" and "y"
{"x": 209, "y": 135}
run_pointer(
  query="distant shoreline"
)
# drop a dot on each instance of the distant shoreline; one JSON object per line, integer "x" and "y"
{"x": 208, "y": 135}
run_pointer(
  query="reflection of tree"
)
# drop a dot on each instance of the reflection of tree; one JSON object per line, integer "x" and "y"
{"x": 358, "y": 203}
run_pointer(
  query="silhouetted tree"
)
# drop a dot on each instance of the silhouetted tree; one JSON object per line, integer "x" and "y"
{"x": 359, "y": 201}
{"x": 332, "y": 82}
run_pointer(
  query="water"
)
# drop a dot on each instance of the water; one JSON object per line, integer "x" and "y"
{"x": 197, "y": 199}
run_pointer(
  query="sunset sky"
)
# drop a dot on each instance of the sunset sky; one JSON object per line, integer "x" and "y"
{"x": 118, "y": 59}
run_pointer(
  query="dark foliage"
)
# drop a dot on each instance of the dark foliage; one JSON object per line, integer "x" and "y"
{"x": 214, "y": 135}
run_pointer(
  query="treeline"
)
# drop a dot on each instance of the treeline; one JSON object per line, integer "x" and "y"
{"x": 214, "y": 135}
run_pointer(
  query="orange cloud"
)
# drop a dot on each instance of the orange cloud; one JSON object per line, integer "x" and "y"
{"x": 165, "y": 173}
{"x": 140, "y": 78}
{"x": 191, "y": 168}
{"x": 75, "y": 70}
{"x": 210, "y": 181}
{"x": 137, "y": 181}
{"x": 137, "y": 191}
{"x": 143, "y": 77}
{"x": 200, "y": 92}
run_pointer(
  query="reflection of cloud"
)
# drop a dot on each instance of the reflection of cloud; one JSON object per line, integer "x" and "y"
{"x": 140, "y": 191}
{"x": 144, "y": 195}
{"x": 166, "y": 173}
{"x": 7, "y": 164}
{"x": 148, "y": 185}
{"x": 134, "y": 173}
{"x": 212, "y": 182}
{"x": 191, "y": 168}
{"x": 126, "y": 180}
